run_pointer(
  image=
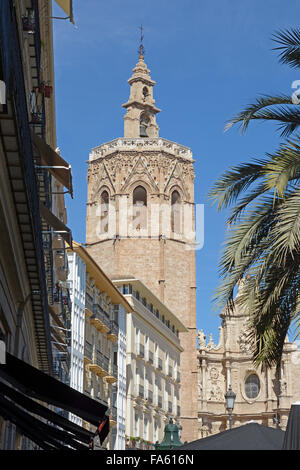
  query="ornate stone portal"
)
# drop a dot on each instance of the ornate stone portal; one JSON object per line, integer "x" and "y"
{"x": 262, "y": 395}
{"x": 140, "y": 220}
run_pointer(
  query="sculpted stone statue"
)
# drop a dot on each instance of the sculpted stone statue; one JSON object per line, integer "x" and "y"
{"x": 201, "y": 339}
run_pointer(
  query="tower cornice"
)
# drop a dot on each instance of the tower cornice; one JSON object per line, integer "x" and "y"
{"x": 142, "y": 144}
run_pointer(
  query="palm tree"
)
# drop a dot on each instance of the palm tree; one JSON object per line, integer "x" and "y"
{"x": 263, "y": 239}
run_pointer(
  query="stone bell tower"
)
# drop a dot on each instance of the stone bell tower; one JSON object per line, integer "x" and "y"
{"x": 140, "y": 220}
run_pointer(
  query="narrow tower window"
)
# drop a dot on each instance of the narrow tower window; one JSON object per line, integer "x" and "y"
{"x": 145, "y": 92}
{"x": 104, "y": 201}
{"x": 144, "y": 123}
{"x": 175, "y": 212}
{"x": 139, "y": 208}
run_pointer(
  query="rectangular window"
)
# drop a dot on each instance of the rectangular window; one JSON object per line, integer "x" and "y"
{"x": 136, "y": 424}
{"x": 125, "y": 289}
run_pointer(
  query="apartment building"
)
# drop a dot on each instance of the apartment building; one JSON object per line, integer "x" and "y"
{"x": 98, "y": 354}
{"x": 153, "y": 362}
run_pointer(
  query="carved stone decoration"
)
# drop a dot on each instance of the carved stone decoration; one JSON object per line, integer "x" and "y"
{"x": 200, "y": 390}
{"x": 244, "y": 342}
{"x": 215, "y": 393}
{"x": 176, "y": 177}
{"x": 215, "y": 385}
{"x": 283, "y": 386}
{"x": 139, "y": 172}
{"x": 201, "y": 339}
{"x": 211, "y": 343}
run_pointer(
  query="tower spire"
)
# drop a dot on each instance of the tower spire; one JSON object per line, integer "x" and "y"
{"x": 140, "y": 118}
{"x": 141, "y": 49}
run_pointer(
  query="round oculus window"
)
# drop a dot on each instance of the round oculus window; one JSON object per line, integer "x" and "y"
{"x": 252, "y": 386}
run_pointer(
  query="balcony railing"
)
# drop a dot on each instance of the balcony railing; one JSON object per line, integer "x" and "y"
{"x": 149, "y": 396}
{"x": 139, "y": 349}
{"x": 88, "y": 350}
{"x": 89, "y": 302}
{"x": 114, "y": 370}
{"x": 114, "y": 413}
{"x": 150, "y": 357}
{"x": 141, "y": 391}
{"x": 101, "y": 315}
{"x": 101, "y": 360}
{"x": 114, "y": 328}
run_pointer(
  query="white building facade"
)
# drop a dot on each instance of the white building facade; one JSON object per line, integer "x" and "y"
{"x": 77, "y": 281}
{"x": 119, "y": 396}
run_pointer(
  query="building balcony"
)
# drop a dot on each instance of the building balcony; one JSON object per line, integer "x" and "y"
{"x": 149, "y": 357}
{"x": 114, "y": 413}
{"x": 89, "y": 304}
{"x": 113, "y": 333}
{"x": 149, "y": 396}
{"x": 100, "y": 319}
{"x": 139, "y": 392}
{"x": 88, "y": 351}
{"x": 139, "y": 350}
{"x": 112, "y": 377}
{"x": 158, "y": 401}
{"x": 99, "y": 364}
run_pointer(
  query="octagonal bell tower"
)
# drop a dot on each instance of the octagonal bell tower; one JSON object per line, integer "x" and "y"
{"x": 140, "y": 220}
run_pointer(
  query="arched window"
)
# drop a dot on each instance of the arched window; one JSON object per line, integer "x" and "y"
{"x": 175, "y": 212}
{"x": 139, "y": 208}
{"x": 104, "y": 202}
{"x": 145, "y": 92}
{"x": 144, "y": 123}
{"x": 252, "y": 386}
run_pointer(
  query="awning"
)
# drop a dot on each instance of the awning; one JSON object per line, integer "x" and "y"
{"x": 56, "y": 224}
{"x": 67, "y": 6}
{"x": 53, "y": 162}
{"x": 53, "y": 431}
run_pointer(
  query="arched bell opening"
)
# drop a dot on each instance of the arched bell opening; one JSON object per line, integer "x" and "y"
{"x": 144, "y": 124}
{"x": 139, "y": 202}
{"x": 104, "y": 207}
{"x": 175, "y": 212}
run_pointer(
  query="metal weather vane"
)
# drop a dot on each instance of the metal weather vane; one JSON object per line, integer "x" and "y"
{"x": 141, "y": 49}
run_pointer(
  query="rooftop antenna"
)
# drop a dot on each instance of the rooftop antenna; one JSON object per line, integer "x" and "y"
{"x": 141, "y": 49}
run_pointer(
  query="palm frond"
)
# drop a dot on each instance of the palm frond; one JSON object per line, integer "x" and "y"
{"x": 289, "y": 47}
{"x": 283, "y": 166}
{"x": 252, "y": 111}
{"x": 229, "y": 185}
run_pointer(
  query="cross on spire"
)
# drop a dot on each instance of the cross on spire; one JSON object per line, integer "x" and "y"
{"x": 141, "y": 49}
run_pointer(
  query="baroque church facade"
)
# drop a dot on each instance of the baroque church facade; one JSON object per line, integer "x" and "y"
{"x": 263, "y": 395}
{"x": 140, "y": 221}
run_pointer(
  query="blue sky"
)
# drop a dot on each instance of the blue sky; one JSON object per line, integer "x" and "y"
{"x": 209, "y": 59}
